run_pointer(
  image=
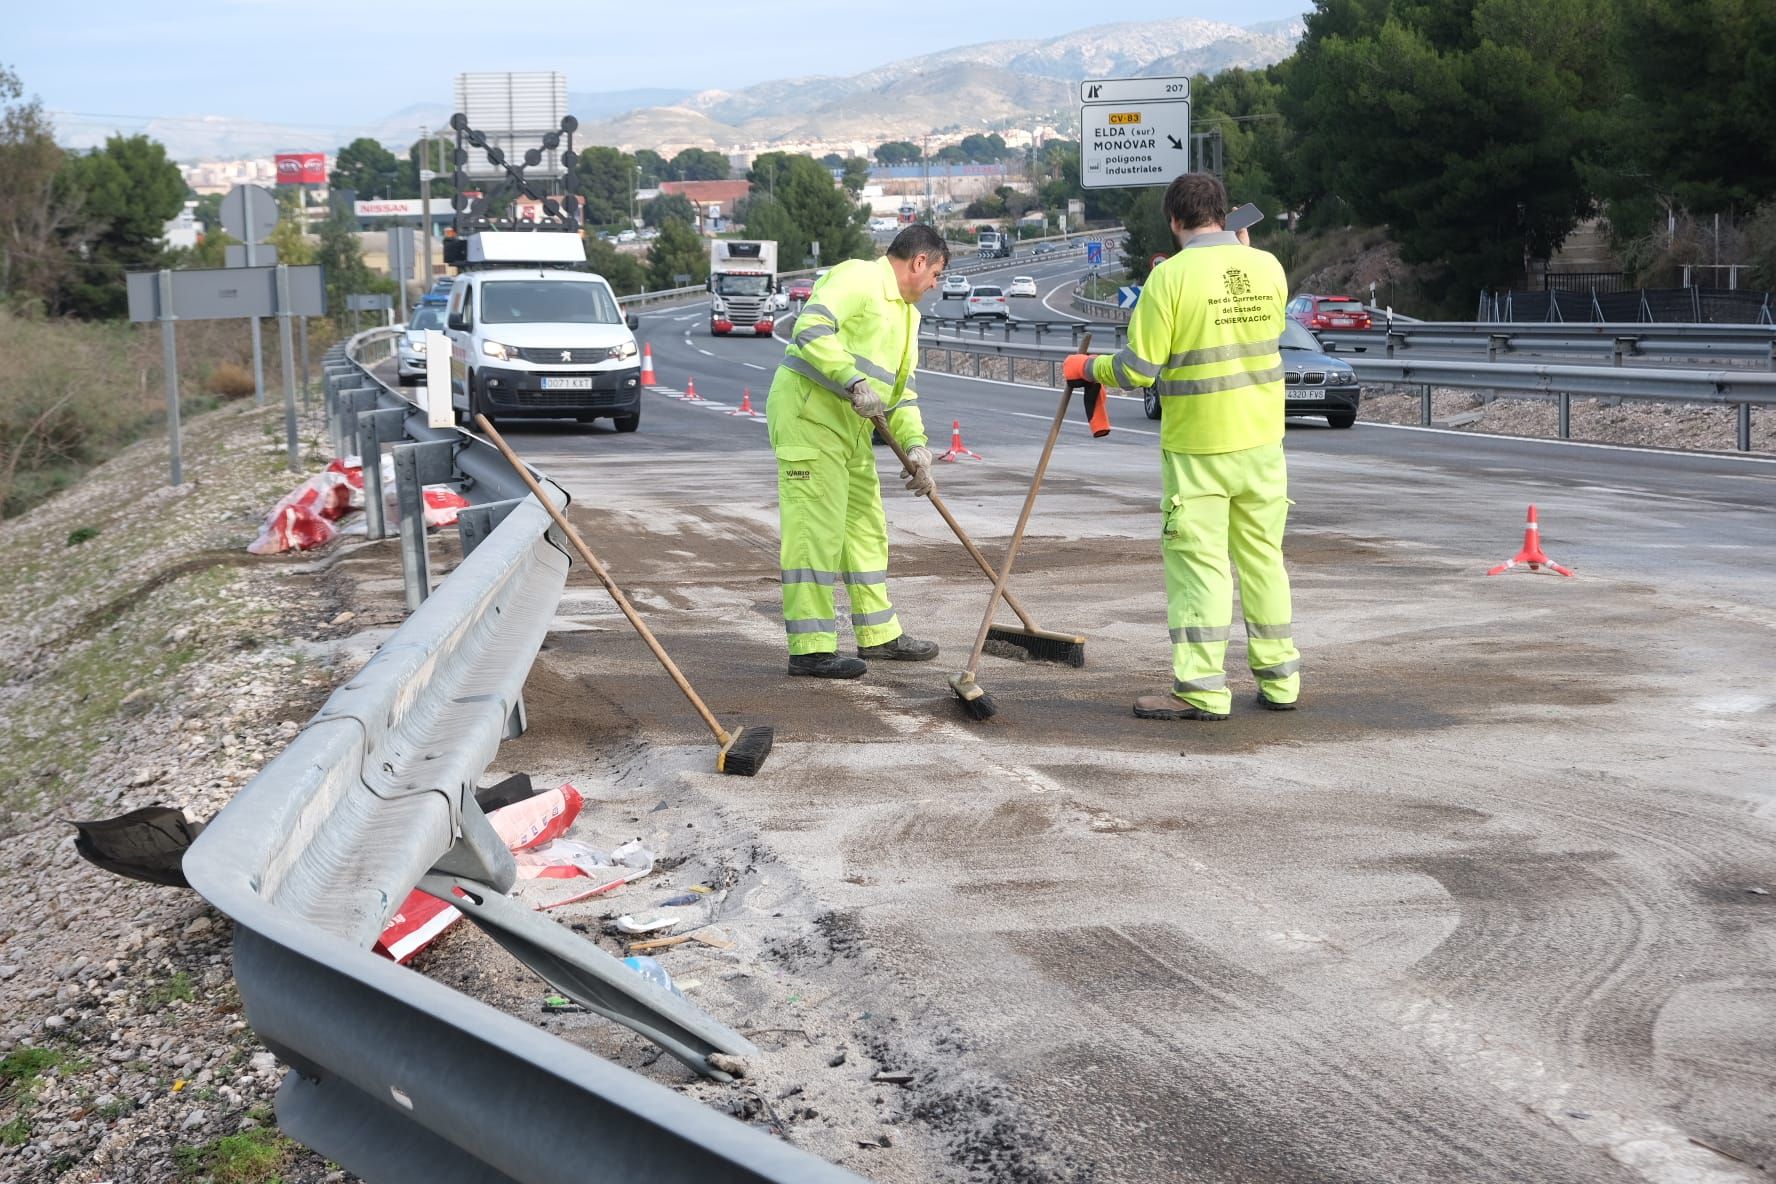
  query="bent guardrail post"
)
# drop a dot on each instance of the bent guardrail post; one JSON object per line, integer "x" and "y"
{"x": 591, "y": 977}
{"x": 416, "y": 466}
{"x": 376, "y": 428}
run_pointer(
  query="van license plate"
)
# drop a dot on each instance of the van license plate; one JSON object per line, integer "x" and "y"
{"x": 568, "y": 382}
{"x": 1309, "y": 393}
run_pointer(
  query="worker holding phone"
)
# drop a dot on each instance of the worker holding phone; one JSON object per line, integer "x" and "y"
{"x": 1205, "y": 336}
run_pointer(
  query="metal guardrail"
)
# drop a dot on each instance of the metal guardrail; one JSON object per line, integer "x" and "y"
{"x": 960, "y": 327}
{"x": 394, "y": 1076}
{"x": 1740, "y": 389}
{"x": 1616, "y": 342}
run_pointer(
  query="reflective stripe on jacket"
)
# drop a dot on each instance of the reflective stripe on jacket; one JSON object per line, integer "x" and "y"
{"x": 855, "y": 324}
{"x": 1204, "y": 336}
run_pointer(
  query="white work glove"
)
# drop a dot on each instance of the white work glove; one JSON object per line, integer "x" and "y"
{"x": 864, "y": 401}
{"x": 919, "y": 480}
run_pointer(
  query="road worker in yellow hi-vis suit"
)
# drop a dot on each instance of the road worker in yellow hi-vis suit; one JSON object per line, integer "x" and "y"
{"x": 852, "y": 358}
{"x": 1204, "y": 335}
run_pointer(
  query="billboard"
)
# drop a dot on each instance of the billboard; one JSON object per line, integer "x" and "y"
{"x": 514, "y": 110}
{"x": 302, "y": 168}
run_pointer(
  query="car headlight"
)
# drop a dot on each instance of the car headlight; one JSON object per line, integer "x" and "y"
{"x": 418, "y": 346}
{"x": 1341, "y": 378}
{"x": 502, "y": 353}
{"x": 619, "y": 352}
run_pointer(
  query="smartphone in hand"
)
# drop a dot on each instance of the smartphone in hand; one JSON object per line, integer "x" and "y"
{"x": 1244, "y": 217}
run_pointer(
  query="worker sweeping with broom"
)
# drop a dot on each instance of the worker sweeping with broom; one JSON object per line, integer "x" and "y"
{"x": 851, "y": 361}
{"x": 1205, "y": 336}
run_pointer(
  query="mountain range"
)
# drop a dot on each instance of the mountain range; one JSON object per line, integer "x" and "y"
{"x": 995, "y": 84}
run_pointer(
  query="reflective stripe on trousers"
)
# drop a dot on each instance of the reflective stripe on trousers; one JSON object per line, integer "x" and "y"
{"x": 1219, "y": 505}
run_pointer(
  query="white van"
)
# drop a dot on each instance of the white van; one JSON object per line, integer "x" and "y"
{"x": 534, "y": 334}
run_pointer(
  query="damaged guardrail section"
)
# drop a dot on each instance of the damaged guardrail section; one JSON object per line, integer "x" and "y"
{"x": 394, "y": 1076}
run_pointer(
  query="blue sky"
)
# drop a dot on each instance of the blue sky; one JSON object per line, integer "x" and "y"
{"x": 326, "y": 66}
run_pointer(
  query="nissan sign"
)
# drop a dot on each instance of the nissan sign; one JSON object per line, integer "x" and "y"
{"x": 302, "y": 168}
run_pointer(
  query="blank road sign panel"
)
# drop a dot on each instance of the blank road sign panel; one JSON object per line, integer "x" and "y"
{"x": 220, "y": 293}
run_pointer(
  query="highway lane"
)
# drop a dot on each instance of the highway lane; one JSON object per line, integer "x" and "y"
{"x": 1478, "y": 911}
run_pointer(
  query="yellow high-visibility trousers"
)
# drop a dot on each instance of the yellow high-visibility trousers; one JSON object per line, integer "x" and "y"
{"x": 832, "y": 526}
{"x": 1218, "y": 505}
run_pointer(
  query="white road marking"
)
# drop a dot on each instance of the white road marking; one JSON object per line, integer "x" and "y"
{"x": 1051, "y": 308}
{"x": 704, "y": 352}
{"x": 753, "y": 366}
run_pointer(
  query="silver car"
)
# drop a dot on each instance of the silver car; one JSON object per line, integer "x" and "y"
{"x": 410, "y": 361}
{"x": 986, "y": 300}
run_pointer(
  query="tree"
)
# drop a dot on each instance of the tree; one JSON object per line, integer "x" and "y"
{"x": 342, "y": 262}
{"x": 668, "y": 207}
{"x": 368, "y": 168}
{"x": 833, "y": 160}
{"x": 623, "y": 272}
{"x": 857, "y": 171}
{"x": 606, "y": 177}
{"x": 678, "y": 251}
{"x": 766, "y": 218}
{"x": 700, "y": 164}
{"x": 983, "y": 149}
{"x": 1461, "y": 127}
{"x": 950, "y": 154}
{"x": 130, "y": 190}
{"x": 816, "y": 209}
{"x": 435, "y": 153}
{"x": 39, "y": 212}
{"x": 654, "y": 168}
{"x": 898, "y": 152}
{"x": 1698, "y": 121}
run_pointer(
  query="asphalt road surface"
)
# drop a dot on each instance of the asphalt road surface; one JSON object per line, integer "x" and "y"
{"x": 1498, "y": 903}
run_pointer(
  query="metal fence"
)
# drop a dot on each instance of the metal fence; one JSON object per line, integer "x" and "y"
{"x": 1695, "y": 305}
{"x": 1039, "y": 365}
{"x": 394, "y": 1076}
{"x": 1615, "y": 343}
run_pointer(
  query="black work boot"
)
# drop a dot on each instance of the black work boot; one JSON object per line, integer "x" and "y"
{"x": 827, "y": 665}
{"x": 901, "y": 649}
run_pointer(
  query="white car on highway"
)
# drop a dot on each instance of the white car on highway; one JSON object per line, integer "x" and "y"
{"x": 1021, "y": 285}
{"x": 954, "y": 285}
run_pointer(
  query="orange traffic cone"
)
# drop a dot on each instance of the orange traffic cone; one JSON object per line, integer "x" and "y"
{"x": 1532, "y": 555}
{"x": 691, "y": 389}
{"x": 958, "y": 450}
{"x": 647, "y": 365}
{"x": 745, "y": 403}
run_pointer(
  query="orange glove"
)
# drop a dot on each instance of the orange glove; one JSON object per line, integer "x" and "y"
{"x": 1076, "y": 368}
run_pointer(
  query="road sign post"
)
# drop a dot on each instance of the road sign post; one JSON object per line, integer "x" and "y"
{"x": 169, "y": 352}
{"x": 286, "y": 351}
{"x": 249, "y": 213}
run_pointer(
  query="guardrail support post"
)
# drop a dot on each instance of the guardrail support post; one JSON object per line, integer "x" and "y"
{"x": 475, "y": 523}
{"x": 1424, "y": 405}
{"x": 416, "y": 466}
{"x": 517, "y": 723}
{"x": 1566, "y": 413}
{"x": 348, "y": 405}
{"x": 1744, "y": 432}
{"x": 375, "y": 428}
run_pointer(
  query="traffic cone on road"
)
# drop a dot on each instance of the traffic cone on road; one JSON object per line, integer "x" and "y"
{"x": 745, "y": 403}
{"x": 1531, "y": 556}
{"x": 647, "y": 365}
{"x": 691, "y": 390}
{"x": 958, "y": 450}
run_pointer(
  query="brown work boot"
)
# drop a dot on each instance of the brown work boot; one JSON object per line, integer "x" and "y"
{"x": 1171, "y": 707}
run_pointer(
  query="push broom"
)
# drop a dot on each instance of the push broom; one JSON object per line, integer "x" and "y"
{"x": 743, "y": 750}
{"x": 973, "y": 697}
{"x": 1031, "y": 642}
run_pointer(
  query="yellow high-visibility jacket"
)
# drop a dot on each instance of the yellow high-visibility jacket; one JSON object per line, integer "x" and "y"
{"x": 1204, "y": 336}
{"x": 855, "y": 323}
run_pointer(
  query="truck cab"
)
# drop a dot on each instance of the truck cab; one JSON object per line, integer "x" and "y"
{"x": 744, "y": 295}
{"x": 534, "y": 333}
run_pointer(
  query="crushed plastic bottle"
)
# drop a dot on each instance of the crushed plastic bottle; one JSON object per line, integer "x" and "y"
{"x": 653, "y": 972}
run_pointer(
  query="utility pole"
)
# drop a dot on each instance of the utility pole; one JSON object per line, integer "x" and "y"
{"x": 425, "y": 199}
{"x": 930, "y": 214}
